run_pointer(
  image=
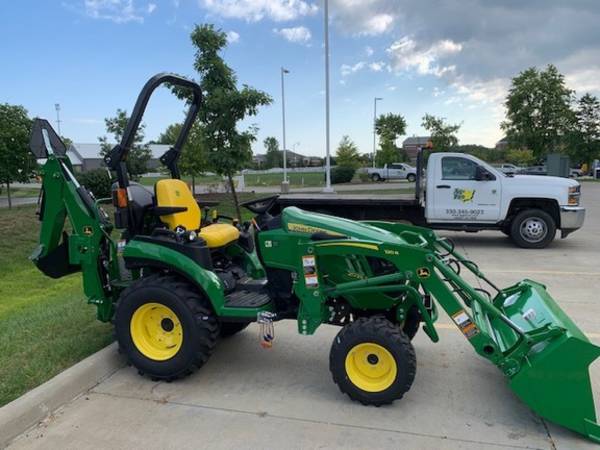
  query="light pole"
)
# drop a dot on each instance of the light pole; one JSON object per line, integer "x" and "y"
{"x": 57, "y": 108}
{"x": 328, "y": 187}
{"x": 285, "y": 184}
{"x": 375, "y": 100}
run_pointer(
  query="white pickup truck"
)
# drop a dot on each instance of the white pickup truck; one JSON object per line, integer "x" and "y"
{"x": 461, "y": 192}
{"x": 395, "y": 171}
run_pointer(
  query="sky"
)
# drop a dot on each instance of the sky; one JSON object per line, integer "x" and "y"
{"x": 449, "y": 58}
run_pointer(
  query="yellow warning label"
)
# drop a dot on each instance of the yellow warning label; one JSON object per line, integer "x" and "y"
{"x": 465, "y": 324}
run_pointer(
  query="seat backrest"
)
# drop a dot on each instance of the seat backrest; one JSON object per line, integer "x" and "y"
{"x": 171, "y": 192}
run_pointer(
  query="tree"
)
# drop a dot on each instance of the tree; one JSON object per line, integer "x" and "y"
{"x": 443, "y": 135}
{"x": 139, "y": 154}
{"x": 224, "y": 105}
{"x": 586, "y": 142}
{"x": 346, "y": 154}
{"x": 16, "y": 162}
{"x": 520, "y": 157}
{"x": 273, "y": 154}
{"x": 538, "y": 111}
{"x": 389, "y": 127}
{"x": 192, "y": 161}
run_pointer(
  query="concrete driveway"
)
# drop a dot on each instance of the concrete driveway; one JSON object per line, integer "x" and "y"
{"x": 250, "y": 398}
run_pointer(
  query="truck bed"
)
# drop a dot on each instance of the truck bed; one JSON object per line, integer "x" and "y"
{"x": 358, "y": 206}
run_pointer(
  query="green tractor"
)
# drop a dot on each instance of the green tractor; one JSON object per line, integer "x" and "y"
{"x": 174, "y": 278}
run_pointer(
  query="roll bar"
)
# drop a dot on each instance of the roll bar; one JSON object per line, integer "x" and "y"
{"x": 115, "y": 159}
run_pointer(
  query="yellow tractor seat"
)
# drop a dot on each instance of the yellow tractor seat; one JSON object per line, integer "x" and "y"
{"x": 219, "y": 234}
{"x": 175, "y": 193}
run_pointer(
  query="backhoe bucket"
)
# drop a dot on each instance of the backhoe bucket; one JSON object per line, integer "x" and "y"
{"x": 551, "y": 372}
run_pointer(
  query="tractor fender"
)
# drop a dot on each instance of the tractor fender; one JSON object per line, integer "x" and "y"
{"x": 139, "y": 254}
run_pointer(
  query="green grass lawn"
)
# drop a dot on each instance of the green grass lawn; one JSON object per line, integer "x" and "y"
{"x": 268, "y": 179}
{"x": 19, "y": 192}
{"x": 46, "y": 324}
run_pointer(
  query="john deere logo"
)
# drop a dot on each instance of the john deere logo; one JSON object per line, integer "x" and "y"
{"x": 464, "y": 195}
{"x": 423, "y": 272}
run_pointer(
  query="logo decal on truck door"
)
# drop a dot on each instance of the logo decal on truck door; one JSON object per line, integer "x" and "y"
{"x": 464, "y": 195}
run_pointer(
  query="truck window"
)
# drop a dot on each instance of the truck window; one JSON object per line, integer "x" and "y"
{"x": 456, "y": 168}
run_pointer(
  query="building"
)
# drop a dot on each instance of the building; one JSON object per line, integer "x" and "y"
{"x": 293, "y": 160}
{"x": 502, "y": 144}
{"x": 411, "y": 145}
{"x": 86, "y": 157}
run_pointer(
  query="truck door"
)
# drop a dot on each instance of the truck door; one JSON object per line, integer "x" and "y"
{"x": 464, "y": 191}
{"x": 396, "y": 172}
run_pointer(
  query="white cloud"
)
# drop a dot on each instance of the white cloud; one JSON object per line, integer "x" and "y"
{"x": 256, "y": 10}
{"x": 369, "y": 50}
{"x": 437, "y": 92}
{"x": 378, "y": 24}
{"x": 377, "y": 66}
{"x": 118, "y": 11}
{"x": 300, "y": 35}
{"x": 232, "y": 37}
{"x": 151, "y": 7}
{"x": 406, "y": 55}
{"x": 347, "y": 69}
{"x": 584, "y": 80}
{"x": 364, "y": 17}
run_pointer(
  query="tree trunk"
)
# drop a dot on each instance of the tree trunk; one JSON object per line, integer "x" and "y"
{"x": 8, "y": 194}
{"x": 193, "y": 185}
{"x": 235, "y": 197}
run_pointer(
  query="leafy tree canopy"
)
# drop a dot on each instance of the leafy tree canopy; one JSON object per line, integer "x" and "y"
{"x": 538, "y": 111}
{"x": 17, "y": 164}
{"x": 585, "y": 138}
{"x": 274, "y": 158}
{"x": 139, "y": 155}
{"x": 347, "y": 154}
{"x": 443, "y": 135}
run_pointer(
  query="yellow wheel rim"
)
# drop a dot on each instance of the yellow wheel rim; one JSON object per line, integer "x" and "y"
{"x": 371, "y": 367}
{"x": 156, "y": 331}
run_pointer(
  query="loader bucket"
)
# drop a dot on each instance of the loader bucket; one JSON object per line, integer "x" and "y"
{"x": 553, "y": 376}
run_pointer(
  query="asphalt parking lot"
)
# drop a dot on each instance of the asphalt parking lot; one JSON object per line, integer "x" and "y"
{"x": 247, "y": 397}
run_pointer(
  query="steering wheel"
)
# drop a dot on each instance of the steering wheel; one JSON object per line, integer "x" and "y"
{"x": 260, "y": 205}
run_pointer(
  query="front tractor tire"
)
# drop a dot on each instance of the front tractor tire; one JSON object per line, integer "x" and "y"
{"x": 372, "y": 361}
{"x": 532, "y": 228}
{"x": 165, "y": 327}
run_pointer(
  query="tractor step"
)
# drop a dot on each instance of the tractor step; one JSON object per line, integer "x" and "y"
{"x": 252, "y": 285}
{"x": 243, "y": 298}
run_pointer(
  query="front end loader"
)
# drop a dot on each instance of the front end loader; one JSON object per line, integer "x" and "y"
{"x": 174, "y": 279}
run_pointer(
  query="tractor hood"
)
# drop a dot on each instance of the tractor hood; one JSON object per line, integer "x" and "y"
{"x": 300, "y": 221}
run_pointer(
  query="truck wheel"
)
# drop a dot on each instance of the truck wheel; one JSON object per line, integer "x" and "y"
{"x": 532, "y": 228}
{"x": 165, "y": 327}
{"x": 231, "y": 328}
{"x": 411, "y": 177}
{"x": 372, "y": 361}
{"x": 375, "y": 177}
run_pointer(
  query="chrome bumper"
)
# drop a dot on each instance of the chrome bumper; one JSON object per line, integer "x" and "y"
{"x": 571, "y": 219}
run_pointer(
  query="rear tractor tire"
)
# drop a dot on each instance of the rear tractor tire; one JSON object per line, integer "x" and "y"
{"x": 532, "y": 228}
{"x": 372, "y": 361}
{"x": 165, "y": 327}
{"x": 230, "y": 328}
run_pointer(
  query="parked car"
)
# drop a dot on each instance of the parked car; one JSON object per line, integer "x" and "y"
{"x": 509, "y": 169}
{"x": 575, "y": 172}
{"x": 534, "y": 170}
{"x": 395, "y": 171}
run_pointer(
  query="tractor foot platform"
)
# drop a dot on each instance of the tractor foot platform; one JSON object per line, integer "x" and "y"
{"x": 247, "y": 299}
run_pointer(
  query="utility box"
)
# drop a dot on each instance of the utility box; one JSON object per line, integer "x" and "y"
{"x": 557, "y": 165}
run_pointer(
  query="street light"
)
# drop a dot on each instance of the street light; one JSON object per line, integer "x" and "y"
{"x": 374, "y": 130}
{"x": 284, "y": 186}
{"x": 57, "y": 108}
{"x": 328, "y": 187}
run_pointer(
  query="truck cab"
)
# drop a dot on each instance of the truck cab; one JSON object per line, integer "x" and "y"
{"x": 464, "y": 192}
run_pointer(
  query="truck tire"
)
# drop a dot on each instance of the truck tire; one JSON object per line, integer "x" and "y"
{"x": 411, "y": 177}
{"x": 372, "y": 361}
{"x": 165, "y": 327}
{"x": 230, "y": 328}
{"x": 532, "y": 228}
{"x": 376, "y": 177}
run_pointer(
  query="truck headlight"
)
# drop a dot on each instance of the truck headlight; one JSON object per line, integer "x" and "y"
{"x": 574, "y": 194}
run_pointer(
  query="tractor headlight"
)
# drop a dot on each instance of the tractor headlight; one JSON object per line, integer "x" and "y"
{"x": 574, "y": 194}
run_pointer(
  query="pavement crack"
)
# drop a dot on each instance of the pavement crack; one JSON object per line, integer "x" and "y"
{"x": 264, "y": 414}
{"x": 552, "y": 443}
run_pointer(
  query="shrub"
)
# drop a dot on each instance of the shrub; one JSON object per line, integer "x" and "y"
{"x": 97, "y": 181}
{"x": 341, "y": 174}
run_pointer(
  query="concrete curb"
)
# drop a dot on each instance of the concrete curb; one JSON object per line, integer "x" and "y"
{"x": 37, "y": 404}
